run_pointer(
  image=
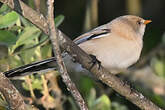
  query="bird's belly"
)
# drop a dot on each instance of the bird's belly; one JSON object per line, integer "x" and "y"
{"x": 115, "y": 57}
{"x": 116, "y": 60}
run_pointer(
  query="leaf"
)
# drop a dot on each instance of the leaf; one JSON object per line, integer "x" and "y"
{"x": 7, "y": 38}
{"x": 158, "y": 66}
{"x": 14, "y": 61}
{"x": 15, "y": 28}
{"x": 36, "y": 84}
{"x": 3, "y": 104}
{"x": 4, "y": 65}
{"x": 4, "y": 9}
{"x": 46, "y": 51}
{"x": 28, "y": 55}
{"x": 8, "y": 20}
{"x": 3, "y": 51}
{"x": 28, "y": 35}
{"x": 86, "y": 85}
{"x": 102, "y": 103}
{"x": 58, "y": 20}
{"x": 91, "y": 97}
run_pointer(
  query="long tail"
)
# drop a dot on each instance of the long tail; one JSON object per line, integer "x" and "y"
{"x": 45, "y": 65}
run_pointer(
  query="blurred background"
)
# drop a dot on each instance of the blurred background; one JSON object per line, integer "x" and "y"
{"x": 22, "y": 43}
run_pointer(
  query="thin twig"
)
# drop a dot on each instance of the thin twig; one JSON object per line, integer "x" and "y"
{"x": 45, "y": 86}
{"x": 62, "y": 69}
{"x": 28, "y": 81}
{"x": 66, "y": 44}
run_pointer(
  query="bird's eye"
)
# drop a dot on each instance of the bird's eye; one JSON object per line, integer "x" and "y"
{"x": 139, "y": 22}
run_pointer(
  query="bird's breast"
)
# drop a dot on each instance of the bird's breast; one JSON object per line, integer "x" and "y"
{"x": 115, "y": 53}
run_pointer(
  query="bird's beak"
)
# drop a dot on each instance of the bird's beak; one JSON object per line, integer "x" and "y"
{"x": 147, "y": 21}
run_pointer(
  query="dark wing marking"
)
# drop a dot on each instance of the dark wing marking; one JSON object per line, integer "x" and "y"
{"x": 31, "y": 68}
{"x": 95, "y": 34}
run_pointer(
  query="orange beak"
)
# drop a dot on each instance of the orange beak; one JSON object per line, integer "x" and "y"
{"x": 147, "y": 21}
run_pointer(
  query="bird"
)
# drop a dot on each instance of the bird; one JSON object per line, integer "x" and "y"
{"x": 117, "y": 45}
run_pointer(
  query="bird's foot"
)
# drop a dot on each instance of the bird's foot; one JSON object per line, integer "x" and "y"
{"x": 131, "y": 86}
{"x": 94, "y": 61}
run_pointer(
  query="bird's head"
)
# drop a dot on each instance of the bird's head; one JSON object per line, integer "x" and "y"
{"x": 130, "y": 24}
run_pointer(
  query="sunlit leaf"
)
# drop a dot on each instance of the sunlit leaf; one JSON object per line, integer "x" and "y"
{"x": 102, "y": 103}
{"x": 9, "y": 19}
{"x": 29, "y": 34}
{"x": 15, "y": 28}
{"x": 36, "y": 84}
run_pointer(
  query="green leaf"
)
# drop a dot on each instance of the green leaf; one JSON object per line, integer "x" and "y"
{"x": 15, "y": 28}
{"x": 7, "y": 37}
{"x": 36, "y": 83}
{"x": 8, "y": 20}
{"x": 86, "y": 85}
{"x": 58, "y": 20}
{"x": 28, "y": 35}
{"x": 28, "y": 55}
{"x": 4, "y": 65}
{"x": 91, "y": 97}
{"x": 3, "y": 104}
{"x": 14, "y": 61}
{"x": 102, "y": 103}
{"x": 4, "y": 9}
{"x": 3, "y": 51}
{"x": 159, "y": 66}
{"x": 46, "y": 51}
{"x": 159, "y": 100}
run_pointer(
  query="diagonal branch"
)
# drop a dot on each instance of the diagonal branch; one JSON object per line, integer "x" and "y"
{"x": 13, "y": 98}
{"x": 62, "y": 68}
{"x": 66, "y": 44}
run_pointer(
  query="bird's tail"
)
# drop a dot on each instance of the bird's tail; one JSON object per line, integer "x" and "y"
{"x": 45, "y": 65}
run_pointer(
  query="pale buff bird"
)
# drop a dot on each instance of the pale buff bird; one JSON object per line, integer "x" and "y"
{"x": 117, "y": 45}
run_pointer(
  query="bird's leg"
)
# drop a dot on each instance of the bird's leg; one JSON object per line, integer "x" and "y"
{"x": 94, "y": 61}
{"x": 131, "y": 86}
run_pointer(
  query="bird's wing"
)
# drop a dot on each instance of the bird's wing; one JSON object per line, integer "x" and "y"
{"x": 94, "y": 34}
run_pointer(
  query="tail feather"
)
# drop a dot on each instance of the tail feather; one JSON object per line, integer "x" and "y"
{"x": 45, "y": 65}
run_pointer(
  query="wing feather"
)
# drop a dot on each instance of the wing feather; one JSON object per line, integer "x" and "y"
{"x": 96, "y": 33}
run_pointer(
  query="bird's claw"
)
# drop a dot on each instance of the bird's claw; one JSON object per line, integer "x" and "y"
{"x": 94, "y": 61}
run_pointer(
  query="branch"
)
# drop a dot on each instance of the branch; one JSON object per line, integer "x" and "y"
{"x": 62, "y": 68}
{"x": 11, "y": 94}
{"x": 102, "y": 74}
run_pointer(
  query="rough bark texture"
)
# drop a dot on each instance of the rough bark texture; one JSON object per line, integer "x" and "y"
{"x": 62, "y": 68}
{"x": 11, "y": 94}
